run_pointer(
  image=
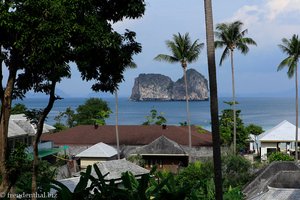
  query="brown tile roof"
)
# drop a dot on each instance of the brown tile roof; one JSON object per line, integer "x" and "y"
{"x": 128, "y": 135}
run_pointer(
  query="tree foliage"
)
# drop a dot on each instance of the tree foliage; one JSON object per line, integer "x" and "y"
{"x": 254, "y": 129}
{"x": 93, "y": 111}
{"x": 226, "y": 129}
{"x": 40, "y": 39}
{"x": 18, "y": 109}
{"x": 154, "y": 118}
{"x": 65, "y": 119}
{"x": 192, "y": 183}
{"x": 243, "y": 131}
{"x": 279, "y": 156}
{"x": 236, "y": 171}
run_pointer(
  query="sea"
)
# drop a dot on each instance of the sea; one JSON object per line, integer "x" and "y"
{"x": 263, "y": 111}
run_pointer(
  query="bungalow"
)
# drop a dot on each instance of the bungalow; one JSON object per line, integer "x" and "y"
{"x": 278, "y": 138}
{"x": 164, "y": 153}
{"x": 131, "y": 137}
{"x": 96, "y": 153}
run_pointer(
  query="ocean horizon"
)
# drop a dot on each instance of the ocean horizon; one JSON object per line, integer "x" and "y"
{"x": 263, "y": 111}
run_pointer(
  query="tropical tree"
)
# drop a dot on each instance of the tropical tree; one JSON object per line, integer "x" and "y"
{"x": 184, "y": 52}
{"x": 94, "y": 110}
{"x": 39, "y": 40}
{"x": 253, "y": 129}
{"x": 291, "y": 47}
{"x": 154, "y": 118}
{"x": 231, "y": 36}
{"x": 18, "y": 108}
{"x": 214, "y": 108}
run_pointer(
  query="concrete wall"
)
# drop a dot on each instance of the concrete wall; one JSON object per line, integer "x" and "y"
{"x": 286, "y": 179}
{"x": 262, "y": 180}
{"x": 199, "y": 153}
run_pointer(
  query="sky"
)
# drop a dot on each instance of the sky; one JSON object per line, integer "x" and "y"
{"x": 267, "y": 21}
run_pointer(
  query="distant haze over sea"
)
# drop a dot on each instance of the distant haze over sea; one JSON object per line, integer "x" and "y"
{"x": 87, "y": 94}
{"x": 264, "y": 111}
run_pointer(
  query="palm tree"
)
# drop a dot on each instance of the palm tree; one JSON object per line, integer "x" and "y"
{"x": 213, "y": 99}
{"x": 291, "y": 47}
{"x": 131, "y": 65}
{"x": 183, "y": 51}
{"x": 231, "y": 36}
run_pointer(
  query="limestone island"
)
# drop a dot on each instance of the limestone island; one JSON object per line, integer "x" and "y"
{"x": 157, "y": 87}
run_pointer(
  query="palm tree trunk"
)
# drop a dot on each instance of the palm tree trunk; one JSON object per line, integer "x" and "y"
{"x": 188, "y": 112}
{"x": 117, "y": 124}
{"x": 296, "y": 137}
{"x": 214, "y": 110}
{"x": 233, "y": 103}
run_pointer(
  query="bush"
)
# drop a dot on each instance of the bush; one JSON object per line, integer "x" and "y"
{"x": 233, "y": 194}
{"x": 279, "y": 156}
{"x": 236, "y": 171}
{"x": 194, "y": 173}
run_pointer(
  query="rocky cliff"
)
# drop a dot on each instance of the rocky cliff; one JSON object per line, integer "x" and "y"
{"x": 151, "y": 87}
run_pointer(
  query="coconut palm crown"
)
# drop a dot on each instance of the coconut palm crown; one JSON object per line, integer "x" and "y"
{"x": 182, "y": 49}
{"x": 291, "y": 47}
{"x": 231, "y": 36}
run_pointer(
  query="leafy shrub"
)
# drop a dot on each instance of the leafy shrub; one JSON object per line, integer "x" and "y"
{"x": 279, "y": 156}
{"x": 233, "y": 194}
{"x": 236, "y": 171}
{"x": 196, "y": 178}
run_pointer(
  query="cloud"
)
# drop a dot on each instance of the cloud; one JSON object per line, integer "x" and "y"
{"x": 248, "y": 14}
{"x": 270, "y": 20}
{"x": 269, "y": 10}
{"x": 277, "y": 7}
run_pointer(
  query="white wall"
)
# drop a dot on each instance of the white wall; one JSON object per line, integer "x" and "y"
{"x": 264, "y": 148}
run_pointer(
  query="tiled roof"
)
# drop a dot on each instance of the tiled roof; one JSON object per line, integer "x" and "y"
{"x": 128, "y": 135}
{"x": 115, "y": 169}
{"x": 160, "y": 146}
{"x": 99, "y": 150}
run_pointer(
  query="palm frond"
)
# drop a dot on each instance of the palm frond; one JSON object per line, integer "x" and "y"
{"x": 248, "y": 41}
{"x": 225, "y": 54}
{"x": 131, "y": 65}
{"x": 231, "y": 36}
{"x": 243, "y": 33}
{"x": 219, "y": 44}
{"x": 290, "y": 63}
{"x": 242, "y": 47}
{"x": 182, "y": 49}
{"x": 291, "y": 47}
{"x": 285, "y": 49}
{"x": 167, "y": 58}
{"x": 194, "y": 51}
